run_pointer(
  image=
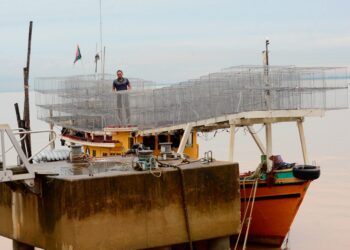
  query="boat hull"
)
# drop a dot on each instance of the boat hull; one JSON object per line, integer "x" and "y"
{"x": 275, "y": 207}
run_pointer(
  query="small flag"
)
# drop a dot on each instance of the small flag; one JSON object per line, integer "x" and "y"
{"x": 77, "y": 54}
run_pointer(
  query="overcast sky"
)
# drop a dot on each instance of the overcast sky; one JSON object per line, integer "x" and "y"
{"x": 169, "y": 41}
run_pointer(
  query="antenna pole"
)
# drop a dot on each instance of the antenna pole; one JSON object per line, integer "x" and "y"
{"x": 104, "y": 62}
{"x": 102, "y": 58}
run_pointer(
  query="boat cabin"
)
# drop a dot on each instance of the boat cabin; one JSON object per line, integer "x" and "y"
{"x": 118, "y": 141}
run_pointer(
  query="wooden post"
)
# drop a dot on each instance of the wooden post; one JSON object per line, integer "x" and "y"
{"x": 26, "y": 113}
{"x": 20, "y": 124}
{"x": 302, "y": 141}
{"x": 232, "y": 142}
{"x": 268, "y": 127}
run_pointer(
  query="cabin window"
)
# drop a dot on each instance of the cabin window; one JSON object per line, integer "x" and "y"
{"x": 94, "y": 153}
{"x": 175, "y": 139}
{"x": 112, "y": 154}
{"x": 104, "y": 154}
{"x": 149, "y": 141}
{"x": 162, "y": 138}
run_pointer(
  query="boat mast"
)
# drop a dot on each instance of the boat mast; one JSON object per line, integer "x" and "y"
{"x": 268, "y": 125}
{"x": 267, "y": 42}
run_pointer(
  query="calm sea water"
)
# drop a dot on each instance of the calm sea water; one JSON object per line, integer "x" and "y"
{"x": 323, "y": 221}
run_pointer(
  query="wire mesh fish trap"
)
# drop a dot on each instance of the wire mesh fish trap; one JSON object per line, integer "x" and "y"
{"x": 87, "y": 103}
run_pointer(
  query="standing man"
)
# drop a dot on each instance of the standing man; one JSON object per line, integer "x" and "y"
{"x": 120, "y": 85}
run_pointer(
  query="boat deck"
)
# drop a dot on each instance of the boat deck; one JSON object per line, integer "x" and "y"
{"x": 110, "y": 166}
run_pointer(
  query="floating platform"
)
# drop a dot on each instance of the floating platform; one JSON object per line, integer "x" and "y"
{"x": 107, "y": 206}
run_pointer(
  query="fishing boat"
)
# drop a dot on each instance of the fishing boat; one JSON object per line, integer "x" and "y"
{"x": 241, "y": 96}
{"x": 133, "y": 178}
{"x": 274, "y": 205}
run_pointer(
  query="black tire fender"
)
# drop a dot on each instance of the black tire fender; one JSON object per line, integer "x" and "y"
{"x": 306, "y": 172}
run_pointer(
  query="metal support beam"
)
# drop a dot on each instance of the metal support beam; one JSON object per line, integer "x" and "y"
{"x": 19, "y": 150}
{"x": 257, "y": 139}
{"x": 5, "y": 174}
{"x": 268, "y": 127}
{"x": 302, "y": 141}
{"x": 232, "y": 142}
{"x": 243, "y": 119}
{"x": 184, "y": 138}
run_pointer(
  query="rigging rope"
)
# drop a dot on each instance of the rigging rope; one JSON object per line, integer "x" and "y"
{"x": 249, "y": 203}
